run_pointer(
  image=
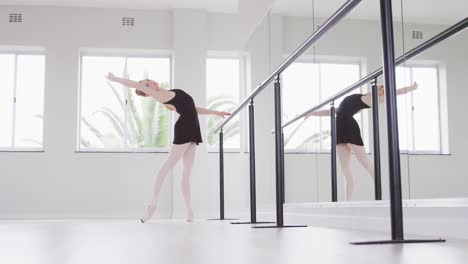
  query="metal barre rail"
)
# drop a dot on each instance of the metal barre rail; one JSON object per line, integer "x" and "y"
{"x": 449, "y": 32}
{"x": 329, "y": 24}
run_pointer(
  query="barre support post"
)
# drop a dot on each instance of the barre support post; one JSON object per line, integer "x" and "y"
{"x": 334, "y": 188}
{"x": 279, "y": 160}
{"x": 221, "y": 177}
{"x": 396, "y": 206}
{"x": 253, "y": 195}
{"x": 278, "y": 147}
{"x": 283, "y": 186}
{"x": 376, "y": 133}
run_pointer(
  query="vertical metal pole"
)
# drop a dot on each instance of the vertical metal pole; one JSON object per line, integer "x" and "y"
{"x": 278, "y": 144}
{"x": 253, "y": 197}
{"x": 279, "y": 160}
{"x": 283, "y": 193}
{"x": 333, "y": 153}
{"x": 221, "y": 176}
{"x": 375, "y": 125}
{"x": 396, "y": 208}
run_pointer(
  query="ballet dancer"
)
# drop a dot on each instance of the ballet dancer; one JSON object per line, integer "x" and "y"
{"x": 348, "y": 133}
{"x": 186, "y": 135}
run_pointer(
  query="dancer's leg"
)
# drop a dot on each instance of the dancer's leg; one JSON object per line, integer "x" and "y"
{"x": 176, "y": 153}
{"x": 361, "y": 156}
{"x": 344, "y": 154}
{"x": 187, "y": 160}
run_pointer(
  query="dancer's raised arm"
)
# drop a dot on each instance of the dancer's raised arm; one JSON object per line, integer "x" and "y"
{"x": 325, "y": 112}
{"x": 367, "y": 98}
{"x": 204, "y": 111}
{"x": 407, "y": 89}
{"x": 129, "y": 83}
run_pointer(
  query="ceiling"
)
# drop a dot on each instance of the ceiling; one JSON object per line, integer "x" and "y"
{"x": 225, "y": 6}
{"x": 416, "y": 11}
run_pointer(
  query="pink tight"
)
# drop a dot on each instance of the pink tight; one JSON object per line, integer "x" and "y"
{"x": 344, "y": 153}
{"x": 187, "y": 153}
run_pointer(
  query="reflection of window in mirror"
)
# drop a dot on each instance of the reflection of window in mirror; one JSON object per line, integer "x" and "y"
{"x": 114, "y": 118}
{"x": 307, "y": 83}
{"x": 224, "y": 79}
{"x": 422, "y": 113}
{"x": 21, "y": 100}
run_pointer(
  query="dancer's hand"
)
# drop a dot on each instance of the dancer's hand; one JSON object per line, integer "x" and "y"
{"x": 415, "y": 86}
{"x": 223, "y": 114}
{"x": 110, "y": 76}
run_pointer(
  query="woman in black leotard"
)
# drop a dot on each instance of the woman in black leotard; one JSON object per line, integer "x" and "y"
{"x": 348, "y": 133}
{"x": 186, "y": 135}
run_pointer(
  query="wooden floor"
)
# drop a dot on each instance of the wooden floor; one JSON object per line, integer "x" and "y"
{"x": 204, "y": 242}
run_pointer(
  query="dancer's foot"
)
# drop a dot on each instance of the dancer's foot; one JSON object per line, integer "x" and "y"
{"x": 190, "y": 217}
{"x": 149, "y": 213}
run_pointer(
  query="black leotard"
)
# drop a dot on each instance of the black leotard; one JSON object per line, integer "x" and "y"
{"x": 347, "y": 129}
{"x": 187, "y": 127}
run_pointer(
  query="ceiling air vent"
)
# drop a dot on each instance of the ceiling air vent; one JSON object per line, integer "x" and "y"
{"x": 417, "y": 34}
{"x": 15, "y": 18}
{"x": 128, "y": 21}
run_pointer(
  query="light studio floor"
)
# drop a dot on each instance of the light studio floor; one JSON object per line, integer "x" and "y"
{"x": 204, "y": 242}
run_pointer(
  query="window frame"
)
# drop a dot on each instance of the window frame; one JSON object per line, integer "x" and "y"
{"x": 241, "y": 57}
{"x": 443, "y": 147}
{"x": 18, "y": 51}
{"x": 324, "y": 59}
{"x": 126, "y": 53}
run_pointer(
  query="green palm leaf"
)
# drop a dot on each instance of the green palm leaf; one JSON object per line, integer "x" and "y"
{"x": 85, "y": 143}
{"x": 218, "y": 102}
{"x": 114, "y": 119}
{"x": 290, "y": 135}
{"x": 117, "y": 95}
{"x": 93, "y": 130}
{"x": 162, "y": 128}
{"x": 148, "y": 128}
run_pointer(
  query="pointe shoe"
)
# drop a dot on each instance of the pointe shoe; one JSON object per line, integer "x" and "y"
{"x": 149, "y": 212}
{"x": 189, "y": 217}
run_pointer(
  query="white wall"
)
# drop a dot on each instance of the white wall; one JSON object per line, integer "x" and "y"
{"x": 60, "y": 183}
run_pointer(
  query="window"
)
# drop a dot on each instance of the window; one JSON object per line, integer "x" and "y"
{"x": 222, "y": 92}
{"x": 306, "y": 84}
{"x": 21, "y": 101}
{"x": 419, "y": 111}
{"x": 114, "y": 117}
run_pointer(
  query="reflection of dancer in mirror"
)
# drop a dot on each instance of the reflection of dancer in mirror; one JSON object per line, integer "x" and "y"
{"x": 348, "y": 133}
{"x": 186, "y": 135}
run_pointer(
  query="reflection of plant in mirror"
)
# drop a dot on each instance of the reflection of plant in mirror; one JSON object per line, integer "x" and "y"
{"x": 221, "y": 103}
{"x": 146, "y": 129}
{"x": 307, "y": 143}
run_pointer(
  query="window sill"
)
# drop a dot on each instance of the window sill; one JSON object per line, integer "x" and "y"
{"x": 305, "y": 152}
{"x": 124, "y": 151}
{"x": 426, "y": 153}
{"x": 32, "y": 150}
{"x": 213, "y": 150}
